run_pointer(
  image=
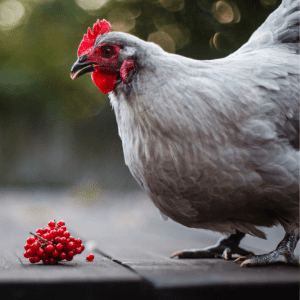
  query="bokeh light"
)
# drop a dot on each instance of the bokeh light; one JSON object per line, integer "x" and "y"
{"x": 172, "y": 5}
{"x": 179, "y": 35}
{"x": 121, "y": 19}
{"x": 164, "y": 21}
{"x": 162, "y": 39}
{"x": 226, "y": 12}
{"x": 135, "y": 11}
{"x": 222, "y": 41}
{"x": 90, "y": 5}
{"x": 11, "y": 13}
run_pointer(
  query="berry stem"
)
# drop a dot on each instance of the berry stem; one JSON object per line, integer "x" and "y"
{"x": 39, "y": 237}
{"x": 42, "y": 245}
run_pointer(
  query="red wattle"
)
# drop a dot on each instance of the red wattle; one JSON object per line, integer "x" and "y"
{"x": 104, "y": 80}
{"x": 127, "y": 66}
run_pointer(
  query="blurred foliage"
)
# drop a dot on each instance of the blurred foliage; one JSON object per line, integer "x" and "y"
{"x": 38, "y": 44}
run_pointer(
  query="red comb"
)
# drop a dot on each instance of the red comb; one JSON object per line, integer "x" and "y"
{"x": 89, "y": 39}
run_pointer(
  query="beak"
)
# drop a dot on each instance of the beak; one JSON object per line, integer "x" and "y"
{"x": 81, "y": 67}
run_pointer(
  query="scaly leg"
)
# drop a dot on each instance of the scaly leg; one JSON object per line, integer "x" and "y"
{"x": 224, "y": 248}
{"x": 284, "y": 253}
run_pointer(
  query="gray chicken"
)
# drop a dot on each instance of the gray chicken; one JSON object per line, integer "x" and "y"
{"x": 215, "y": 144}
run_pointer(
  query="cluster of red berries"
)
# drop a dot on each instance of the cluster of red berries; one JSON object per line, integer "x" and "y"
{"x": 52, "y": 244}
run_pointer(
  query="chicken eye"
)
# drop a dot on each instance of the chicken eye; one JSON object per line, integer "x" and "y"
{"x": 108, "y": 51}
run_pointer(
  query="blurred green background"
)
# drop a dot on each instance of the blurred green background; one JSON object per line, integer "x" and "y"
{"x": 58, "y": 132}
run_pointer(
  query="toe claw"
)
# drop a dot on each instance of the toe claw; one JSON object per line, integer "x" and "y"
{"x": 178, "y": 254}
{"x": 239, "y": 259}
{"x": 245, "y": 263}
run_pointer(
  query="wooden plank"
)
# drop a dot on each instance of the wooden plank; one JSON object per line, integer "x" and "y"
{"x": 204, "y": 278}
{"x": 101, "y": 269}
{"x": 127, "y": 227}
{"x": 153, "y": 263}
{"x": 101, "y": 279}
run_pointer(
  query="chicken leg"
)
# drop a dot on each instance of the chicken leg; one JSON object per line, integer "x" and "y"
{"x": 224, "y": 248}
{"x": 284, "y": 253}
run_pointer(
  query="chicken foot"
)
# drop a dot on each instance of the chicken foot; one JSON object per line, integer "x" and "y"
{"x": 224, "y": 248}
{"x": 284, "y": 253}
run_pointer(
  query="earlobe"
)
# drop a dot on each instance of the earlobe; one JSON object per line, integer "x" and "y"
{"x": 127, "y": 66}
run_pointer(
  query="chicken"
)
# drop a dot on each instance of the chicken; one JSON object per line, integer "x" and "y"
{"x": 215, "y": 144}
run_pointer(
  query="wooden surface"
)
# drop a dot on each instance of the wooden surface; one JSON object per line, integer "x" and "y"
{"x": 132, "y": 246}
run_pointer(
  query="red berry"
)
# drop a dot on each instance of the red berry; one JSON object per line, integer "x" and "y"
{"x": 60, "y": 223}
{"x": 82, "y": 247}
{"x": 36, "y": 259}
{"x": 47, "y": 229}
{"x": 78, "y": 250}
{"x": 90, "y": 257}
{"x": 78, "y": 242}
{"x": 71, "y": 239}
{"x": 64, "y": 240}
{"x": 71, "y": 253}
{"x": 59, "y": 247}
{"x": 27, "y": 246}
{"x": 40, "y": 252}
{"x": 54, "y": 233}
{"x": 26, "y": 254}
{"x": 57, "y": 239}
{"x": 30, "y": 240}
{"x": 51, "y": 224}
{"x": 62, "y": 255}
{"x": 52, "y": 261}
{"x": 31, "y": 259}
{"x": 55, "y": 253}
{"x": 71, "y": 246}
{"x": 64, "y": 228}
{"x": 60, "y": 232}
{"x": 50, "y": 248}
{"x": 46, "y": 261}
{"x": 39, "y": 231}
{"x": 66, "y": 234}
{"x": 44, "y": 255}
{"x": 29, "y": 252}
{"x": 69, "y": 257}
{"x": 48, "y": 236}
{"x": 35, "y": 246}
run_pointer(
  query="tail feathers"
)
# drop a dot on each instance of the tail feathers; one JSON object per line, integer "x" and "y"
{"x": 289, "y": 31}
{"x": 281, "y": 27}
